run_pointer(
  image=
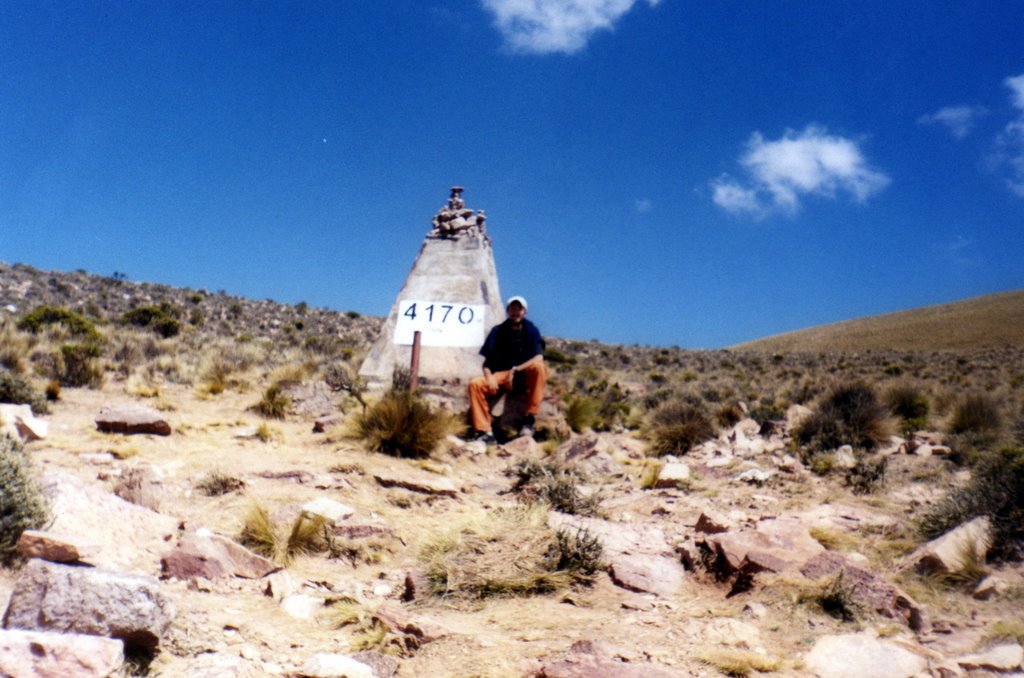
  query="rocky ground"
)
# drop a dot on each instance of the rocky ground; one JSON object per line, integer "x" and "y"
{"x": 735, "y": 560}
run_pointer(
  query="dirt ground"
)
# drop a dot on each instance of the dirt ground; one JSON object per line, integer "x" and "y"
{"x": 496, "y": 637}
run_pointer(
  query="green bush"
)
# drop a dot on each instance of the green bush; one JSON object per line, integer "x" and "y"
{"x": 17, "y": 391}
{"x": 80, "y": 366}
{"x": 73, "y": 322}
{"x": 678, "y": 425}
{"x": 580, "y": 413}
{"x": 996, "y": 490}
{"x": 850, "y": 413}
{"x": 402, "y": 425}
{"x": 22, "y": 504}
{"x": 909, "y": 403}
{"x": 161, "y": 319}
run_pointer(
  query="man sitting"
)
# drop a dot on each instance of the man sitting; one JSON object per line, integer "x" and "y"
{"x": 513, "y": 347}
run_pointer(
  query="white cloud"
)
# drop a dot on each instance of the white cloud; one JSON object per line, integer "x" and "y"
{"x": 1016, "y": 85}
{"x": 784, "y": 171}
{"x": 958, "y": 119}
{"x": 545, "y": 26}
{"x": 1010, "y": 144}
{"x": 643, "y": 205}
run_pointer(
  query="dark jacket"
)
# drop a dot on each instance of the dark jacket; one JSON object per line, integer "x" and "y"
{"x": 505, "y": 347}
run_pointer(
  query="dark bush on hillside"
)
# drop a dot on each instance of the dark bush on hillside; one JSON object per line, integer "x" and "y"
{"x": 161, "y": 319}
{"x": 848, "y": 414}
{"x": 976, "y": 413}
{"x": 909, "y": 403}
{"x": 996, "y": 490}
{"x": 22, "y": 504}
{"x": 556, "y": 357}
{"x": 17, "y": 391}
{"x": 73, "y": 322}
{"x": 402, "y": 425}
{"x": 678, "y": 425}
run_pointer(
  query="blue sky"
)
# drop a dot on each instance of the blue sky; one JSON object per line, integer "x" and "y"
{"x": 668, "y": 173}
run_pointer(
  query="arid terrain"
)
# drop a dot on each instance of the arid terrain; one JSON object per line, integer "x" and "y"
{"x": 757, "y": 511}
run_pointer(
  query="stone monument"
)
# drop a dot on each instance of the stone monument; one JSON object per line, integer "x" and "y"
{"x": 450, "y": 297}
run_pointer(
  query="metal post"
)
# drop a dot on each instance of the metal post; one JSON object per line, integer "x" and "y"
{"x": 414, "y": 368}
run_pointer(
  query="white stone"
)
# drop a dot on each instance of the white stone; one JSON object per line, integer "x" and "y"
{"x": 330, "y": 510}
{"x": 862, "y": 656}
{"x": 301, "y": 605}
{"x": 672, "y": 474}
{"x": 946, "y": 553}
{"x": 326, "y": 665}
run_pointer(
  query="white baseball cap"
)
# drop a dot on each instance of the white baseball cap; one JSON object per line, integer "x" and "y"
{"x": 521, "y": 300}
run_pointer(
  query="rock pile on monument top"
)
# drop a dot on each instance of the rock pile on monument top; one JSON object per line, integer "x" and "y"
{"x": 455, "y": 219}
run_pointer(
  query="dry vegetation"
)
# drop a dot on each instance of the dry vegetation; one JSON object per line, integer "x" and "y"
{"x": 514, "y": 586}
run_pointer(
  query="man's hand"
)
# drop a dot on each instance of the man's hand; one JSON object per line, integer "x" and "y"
{"x": 492, "y": 383}
{"x": 511, "y": 376}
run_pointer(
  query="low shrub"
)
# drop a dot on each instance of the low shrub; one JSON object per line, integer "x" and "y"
{"x": 553, "y": 483}
{"x": 510, "y": 552}
{"x": 73, "y": 322}
{"x": 17, "y": 391}
{"x": 274, "y": 404}
{"x": 678, "y": 425}
{"x": 849, "y": 413}
{"x": 215, "y": 483}
{"x": 80, "y": 366}
{"x": 867, "y": 474}
{"x": 978, "y": 413}
{"x": 22, "y": 504}
{"x": 996, "y": 490}
{"x": 909, "y": 403}
{"x": 402, "y": 425}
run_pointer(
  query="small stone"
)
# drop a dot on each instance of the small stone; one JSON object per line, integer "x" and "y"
{"x": 673, "y": 475}
{"x": 1005, "y": 657}
{"x": 301, "y": 605}
{"x": 990, "y": 586}
{"x": 132, "y": 419}
{"x": 326, "y": 665}
{"x": 330, "y": 510}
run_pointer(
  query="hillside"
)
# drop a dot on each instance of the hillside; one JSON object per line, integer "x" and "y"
{"x": 991, "y": 321}
{"x": 672, "y": 518}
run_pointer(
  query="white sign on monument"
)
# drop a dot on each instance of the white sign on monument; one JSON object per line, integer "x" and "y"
{"x": 440, "y": 323}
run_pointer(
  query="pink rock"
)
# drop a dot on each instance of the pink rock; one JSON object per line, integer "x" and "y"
{"x": 660, "y": 575}
{"x": 214, "y": 557}
{"x": 130, "y": 419}
{"x": 57, "y": 548}
{"x": 46, "y": 654}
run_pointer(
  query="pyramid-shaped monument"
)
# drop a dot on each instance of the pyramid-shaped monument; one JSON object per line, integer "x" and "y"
{"x": 450, "y": 297}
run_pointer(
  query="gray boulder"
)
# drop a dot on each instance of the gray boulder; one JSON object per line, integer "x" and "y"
{"x": 53, "y": 597}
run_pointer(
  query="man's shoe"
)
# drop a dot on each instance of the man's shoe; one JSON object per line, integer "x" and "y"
{"x": 486, "y": 437}
{"x": 527, "y": 427}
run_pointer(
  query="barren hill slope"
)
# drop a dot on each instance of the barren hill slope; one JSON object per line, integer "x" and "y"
{"x": 990, "y": 321}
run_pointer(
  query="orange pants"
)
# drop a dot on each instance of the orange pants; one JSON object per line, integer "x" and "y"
{"x": 480, "y": 391}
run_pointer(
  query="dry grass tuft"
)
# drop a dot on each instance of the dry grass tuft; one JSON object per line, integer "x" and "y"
{"x": 507, "y": 552}
{"x": 734, "y": 662}
{"x": 308, "y": 534}
{"x": 402, "y": 425}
